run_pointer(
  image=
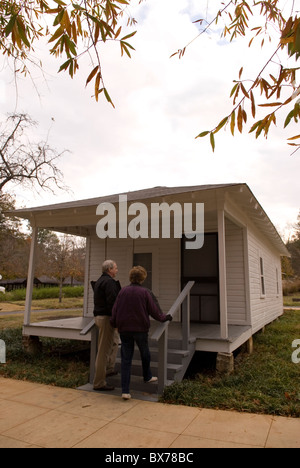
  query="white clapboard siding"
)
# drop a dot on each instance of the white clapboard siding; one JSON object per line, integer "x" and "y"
{"x": 264, "y": 308}
{"x": 235, "y": 274}
{"x": 165, "y": 258}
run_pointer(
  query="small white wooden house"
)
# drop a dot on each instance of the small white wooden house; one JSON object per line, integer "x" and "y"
{"x": 232, "y": 285}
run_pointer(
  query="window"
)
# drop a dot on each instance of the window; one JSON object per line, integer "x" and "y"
{"x": 262, "y": 278}
{"x": 277, "y": 282}
{"x": 144, "y": 260}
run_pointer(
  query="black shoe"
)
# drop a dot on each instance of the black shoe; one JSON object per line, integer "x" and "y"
{"x": 106, "y": 388}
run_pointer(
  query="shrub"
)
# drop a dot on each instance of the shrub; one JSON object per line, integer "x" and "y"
{"x": 43, "y": 293}
{"x": 291, "y": 287}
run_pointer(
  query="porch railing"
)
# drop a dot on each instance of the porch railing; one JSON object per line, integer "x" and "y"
{"x": 161, "y": 334}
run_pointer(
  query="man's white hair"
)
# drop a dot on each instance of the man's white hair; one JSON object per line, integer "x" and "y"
{"x": 107, "y": 265}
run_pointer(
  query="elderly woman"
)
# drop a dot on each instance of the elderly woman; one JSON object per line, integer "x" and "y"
{"x": 130, "y": 315}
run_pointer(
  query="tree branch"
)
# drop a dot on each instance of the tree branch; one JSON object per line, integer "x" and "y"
{"x": 26, "y": 162}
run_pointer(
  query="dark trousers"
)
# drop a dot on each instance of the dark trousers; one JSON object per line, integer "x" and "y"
{"x": 127, "y": 349}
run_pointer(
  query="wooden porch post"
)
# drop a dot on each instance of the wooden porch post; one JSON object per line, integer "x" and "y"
{"x": 87, "y": 285}
{"x": 30, "y": 278}
{"x": 222, "y": 275}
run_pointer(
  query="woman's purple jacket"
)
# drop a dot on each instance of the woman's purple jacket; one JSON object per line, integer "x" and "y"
{"x": 132, "y": 309}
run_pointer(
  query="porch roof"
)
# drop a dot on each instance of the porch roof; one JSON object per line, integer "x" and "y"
{"x": 239, "y": 193}
{"x": 137, "y": 195}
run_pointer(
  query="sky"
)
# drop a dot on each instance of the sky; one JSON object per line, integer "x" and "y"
{"x": 161, "y": 105}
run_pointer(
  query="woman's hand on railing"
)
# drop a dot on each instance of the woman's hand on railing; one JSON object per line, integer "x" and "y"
{"x": 169, "y": 318}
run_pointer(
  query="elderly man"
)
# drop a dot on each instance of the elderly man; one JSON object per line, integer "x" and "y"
{"x": 106, "y": 290}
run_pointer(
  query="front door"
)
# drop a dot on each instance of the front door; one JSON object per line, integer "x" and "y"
{"x": 202, "y": 266}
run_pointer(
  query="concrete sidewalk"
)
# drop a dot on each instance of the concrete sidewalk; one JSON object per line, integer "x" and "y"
{"x": 33, "y": 415}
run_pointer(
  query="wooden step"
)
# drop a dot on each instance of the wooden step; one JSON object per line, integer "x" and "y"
{"x": 175, "y": 356}
{"x": 177, "y": 363}
{"x": 137, "y": 370}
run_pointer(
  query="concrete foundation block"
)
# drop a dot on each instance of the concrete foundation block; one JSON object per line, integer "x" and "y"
{"x": 225, "y": 363}
{"x": 31, "y": 344}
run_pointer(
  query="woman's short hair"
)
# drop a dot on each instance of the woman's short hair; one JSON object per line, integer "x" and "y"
{"x": 137, "y": 274}
{"x": 107, "y": 265}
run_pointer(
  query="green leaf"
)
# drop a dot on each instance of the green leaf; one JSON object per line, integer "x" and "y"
{"x": 78, "y": 7}
{"x": 22, "y": 33}
{"x": 108, "y": 97}
{"x": 97, "y": 84}
{"x": 212, "y": 141}
{"x": 71, "y": 45}
{"x": 59, "y": 17}
{"x": 9, "y": 27}
{"x": 255, "y": 126}
{"x": 128, "y": 36}
{"x": 234, "y": 89}
{"x": 203, "y": 134}
{"x": 297, "y": 41}
{"x": 124, "y": 47}
{"x": 289, "y": 118}
{"x": 65, "y": 65}
{"x": 221, "y": 124}
{"x": 232, "y": 123}
{"x": 59, "y": 2}
{"x": 59, "y": 32}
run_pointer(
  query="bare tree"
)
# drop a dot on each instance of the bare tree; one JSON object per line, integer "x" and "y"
{"x": 26, "y": 162}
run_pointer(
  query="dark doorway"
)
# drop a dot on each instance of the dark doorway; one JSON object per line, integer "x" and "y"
{"x": 144, "y": 260}
{"x": 202, "y": 266}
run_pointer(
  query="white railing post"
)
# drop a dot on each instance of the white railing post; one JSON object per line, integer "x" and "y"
{"x": 162, "y": 361}
{"x": 30, "y": 277}
{"x": 161, "y": 335}
{"x": 185, "y": 322}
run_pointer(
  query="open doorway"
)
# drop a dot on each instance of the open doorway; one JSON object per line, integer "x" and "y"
{"x": 202, "y": 266}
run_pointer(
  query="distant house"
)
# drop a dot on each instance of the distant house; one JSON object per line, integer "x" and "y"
{"x": 17, "y": 283}
{"x": 70, "y": 281}
{"x": 40, "y": 282}
{"x": 232, "y": 285}
{"x": 21, "y": 283}
{"x": 47, "y": 282}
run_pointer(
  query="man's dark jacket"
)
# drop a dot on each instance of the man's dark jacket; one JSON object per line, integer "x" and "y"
{"x": 106, "y": 290}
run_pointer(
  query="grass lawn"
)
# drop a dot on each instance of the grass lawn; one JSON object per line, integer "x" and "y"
{"x": 265, "y": 382}
{"x": 64, "y": 363}
{"x": 292, "y": 300}
{"x": 43, "y": 304}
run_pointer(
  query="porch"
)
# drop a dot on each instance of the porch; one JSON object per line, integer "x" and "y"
{"x": 206, "y": 336}
{"x": 171, "y": 353}
{"x": 172, "y": 344}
